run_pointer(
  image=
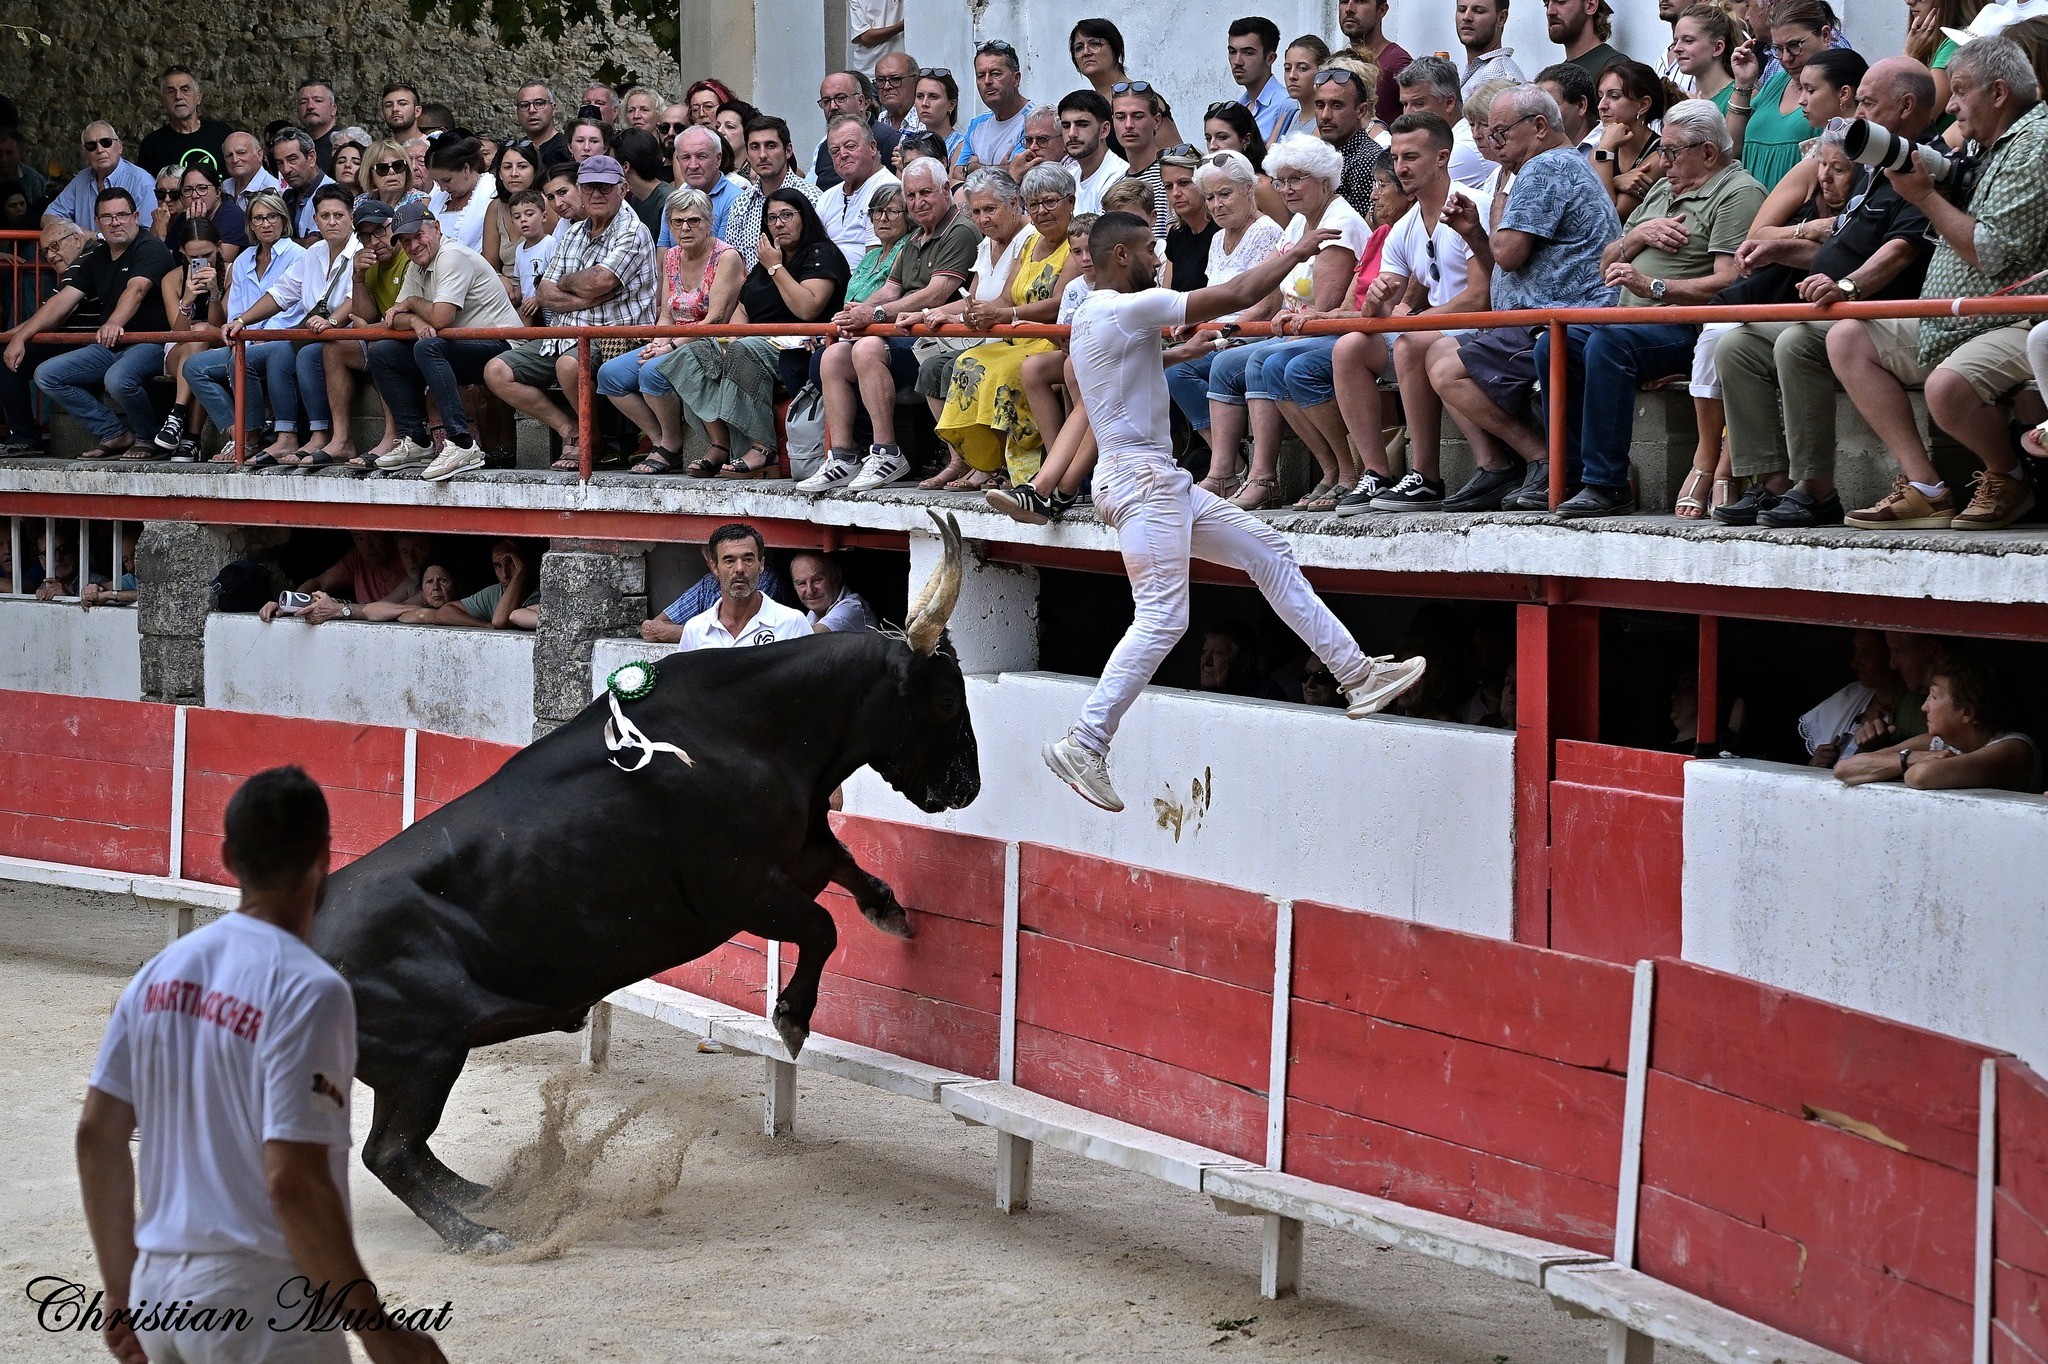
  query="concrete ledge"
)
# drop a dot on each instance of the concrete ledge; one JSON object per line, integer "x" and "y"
{"x": 680, "y": 1009}
{"x": 848, "y": 1060}
{"x": 1062, "y": 1126}
{"x": 162, "y": 890}
{"x": 1503, "y": 1254}
{"x": 1661, "y": 1312}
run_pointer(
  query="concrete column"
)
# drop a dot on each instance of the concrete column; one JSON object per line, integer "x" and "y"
{"x": 995, "y": 625}
{"x": 175, "y": 563}
{"x": 589, "y": 590}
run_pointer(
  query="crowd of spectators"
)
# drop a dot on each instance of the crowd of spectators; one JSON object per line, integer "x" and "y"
{"x": 1721, "y": 170}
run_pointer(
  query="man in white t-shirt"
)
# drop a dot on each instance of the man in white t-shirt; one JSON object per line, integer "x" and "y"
{"x": 1161, "y": 517}
{"x": 1426, "y": 265}
{"x": 857, "y": 160}
{"x": 1084, "y": 130}
{"x": 232, "y": 1053}
{"x": 874, "y": 29}
{"x": 744, "y": 615}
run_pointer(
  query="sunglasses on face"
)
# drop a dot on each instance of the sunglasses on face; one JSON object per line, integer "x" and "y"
{"x": 1183, "y": 149}
{"x": 92, "y": 144}
{"x": 391, "y": 167}
{"x": 671, "y": 128}
{"x": 889, "y": 80}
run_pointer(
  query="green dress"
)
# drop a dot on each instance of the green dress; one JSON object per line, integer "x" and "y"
{"x": 1940, "y": 62}
{"x": 1770, "y": 144}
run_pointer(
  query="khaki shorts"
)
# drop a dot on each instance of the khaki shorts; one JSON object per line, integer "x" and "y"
{"x": 1994, "y": 363}
{"x": 529, "y": 366}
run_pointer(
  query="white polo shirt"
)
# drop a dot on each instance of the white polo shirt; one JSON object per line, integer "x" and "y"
{"x": 772, "y": 622}
{"x": 846, "y": 215}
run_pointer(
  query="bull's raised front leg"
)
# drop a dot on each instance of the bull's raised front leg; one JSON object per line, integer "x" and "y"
{"x": 878, "y": 903}
{"x": 786, "y": 914}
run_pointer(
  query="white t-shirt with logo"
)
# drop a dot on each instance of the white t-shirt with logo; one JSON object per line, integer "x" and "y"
{"x": 772, "y": 622}
{"x": 846, "y": 215}
{"x": 1116, "y": 343}
{"x": 1407, "y": 251}
{"x": 232, "y": 1036}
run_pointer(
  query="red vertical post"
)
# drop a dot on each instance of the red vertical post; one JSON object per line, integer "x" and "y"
{"x": 239, "y": 350}
{"x": 1557, "y": 696}
{"x": 1556, "y": 392}
{"x": 1710, "y": 680}
{"x": 586, "y": 405}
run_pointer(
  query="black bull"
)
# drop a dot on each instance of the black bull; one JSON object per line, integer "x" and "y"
{"x": 515, "y": 908}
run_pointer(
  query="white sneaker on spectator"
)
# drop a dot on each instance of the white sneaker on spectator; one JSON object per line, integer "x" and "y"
{"x": 454, "y": 459}
{"x": 1385, "y": 679}
{"x": 407, "y": 451}
{"x": 1083, "y": 769}
{"x": 835, "y": 472}
{"x": 884, "y": 464}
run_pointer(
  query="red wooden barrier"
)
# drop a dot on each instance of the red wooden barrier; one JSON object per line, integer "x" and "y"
{"x": 1811, "y": 1166}
{"x": 86, "y": 782}
{"x": 939, "y": 997}
{"x": 1146, "y": 997}
{"x": 1616, "y": 851}
{"x": 361, "y": 767}
{"x": 1478, "y": 1078}
{"x": 2019, "y": 1266}
{"x": 445, "y": 767}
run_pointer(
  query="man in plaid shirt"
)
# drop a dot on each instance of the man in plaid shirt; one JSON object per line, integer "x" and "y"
{"x": 602, "y": 275}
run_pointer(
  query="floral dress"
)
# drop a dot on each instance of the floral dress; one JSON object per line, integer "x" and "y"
{"x": 986, "y": 417}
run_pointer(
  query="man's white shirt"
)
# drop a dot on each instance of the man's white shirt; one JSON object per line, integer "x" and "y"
{"x": 1088, "y": 196}
{"x": 772, "y": 622}
{"x": 846, "y": 215}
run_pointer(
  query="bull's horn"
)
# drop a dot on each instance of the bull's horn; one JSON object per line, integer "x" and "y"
{"x": 935, "y": 602}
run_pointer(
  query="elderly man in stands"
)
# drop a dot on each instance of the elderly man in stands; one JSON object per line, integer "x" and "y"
{"x": 896, "y": 92}
{"x": 61, "y": 244}
{"x": 1878, "y": 249}
{"x": 743, "y": 614}
{"x": 1969, "y": 365}
{"x": 120, "y": 276}
{"x": 105, "y": 169}
{"x": 829, "y": 604}
{"x": 185, "y": 128}
{"x": 1679, "y": 248}
{"x": 768, "y": 158}
{"x": 697, "y": 155}
{"x": 1547, "y": 250}
{"x": 602, "y": 275}
{"x": 861, "y": 377}
{"x": 1430, "y": 85}
{"x": 857, "y": 162}
{"x": 247, "y": 176}
{"x": 848, "y": 94}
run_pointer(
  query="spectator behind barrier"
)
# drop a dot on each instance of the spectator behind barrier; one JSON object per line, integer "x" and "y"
{"x": 1968, "y": 744}
{"x": 499, "y": 605}
{"x": 1968, "y": 364}
{"x": 1430, "y": 85}
{"x": 1343, "y": 110}
{"x": 271, "y": 259}
{"x": 769, "y": 169}
{"x": 849, "y": 94}
{"x": 60, "y": 245}
{"x": 895, "y": 78}
{"x": 995, "y": 139}
{"x": 696, "y": 158}
{"x": 857, "y": 162}
{"x": 743, "y": 615}
{"x": 371, "y": 571}
{"x": 1481, "y": 25}
{"x": 1363, "y": 25}
{"x": 247, "y": 176}
{"x": 104, "y": 169}
{"x": 533, "y": 108}
{"x": 120, "y": 589}
{"x": 1252, "y": 45}
{"x": 829, "y": 604}
{"x": 1829, "y": 730}
{"x": 185, "y": 129}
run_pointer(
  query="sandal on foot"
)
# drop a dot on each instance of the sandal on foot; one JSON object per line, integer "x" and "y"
{"x": 315, "y": 459}
{"x": 754, "y": 462}
{"x": 1726, "y": 490}
{"x": 571, "y": 461}
{"x": 1222, "y": 485}
{"x": 109, "y": 449}
{"x": 1325, "y": 501}
{"x": 1691, "y": 506}
{"x": 1257, "y": 494}
{"x": 658, "y": 461}
{"x": 973, "y": 481}
{"x": 956, "y": 467}
{"x": 1314, "y": 497}
{"x": 707, "y": 466}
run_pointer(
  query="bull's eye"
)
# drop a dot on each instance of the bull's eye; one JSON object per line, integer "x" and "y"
{"x": 947, "y": 707}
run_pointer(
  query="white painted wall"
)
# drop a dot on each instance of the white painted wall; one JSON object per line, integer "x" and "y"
{"x": 475, "y": 683}
{"x": 1924, "y": 906}
{"x": 60, "y": 647}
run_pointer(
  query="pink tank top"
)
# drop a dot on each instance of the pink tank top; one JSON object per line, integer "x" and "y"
{"x": 688, "y": 301}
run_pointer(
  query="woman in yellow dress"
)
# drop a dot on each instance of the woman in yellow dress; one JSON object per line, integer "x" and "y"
{"x": 986, "y": 417}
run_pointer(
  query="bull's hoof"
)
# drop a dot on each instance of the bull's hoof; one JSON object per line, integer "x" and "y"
{"x": 892, "y": 919}
{"x": 793, "y": 1034}
{"x": 489, "y": 1242}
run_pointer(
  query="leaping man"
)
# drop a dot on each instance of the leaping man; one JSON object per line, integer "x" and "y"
{"x": 1160, "y": 515}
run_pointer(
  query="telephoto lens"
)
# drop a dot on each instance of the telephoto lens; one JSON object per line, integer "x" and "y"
{"x": 1873, "y": 144}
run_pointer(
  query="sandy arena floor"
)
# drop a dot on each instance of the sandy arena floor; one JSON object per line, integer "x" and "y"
{"x": 869, "y": 1234}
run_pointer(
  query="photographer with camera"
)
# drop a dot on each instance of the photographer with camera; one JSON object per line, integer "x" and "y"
{"x": 1878, "y": 248}
{"x": 1968, "y": 364}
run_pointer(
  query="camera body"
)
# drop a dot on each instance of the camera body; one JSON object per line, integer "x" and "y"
{"x": 1874, "y": 145}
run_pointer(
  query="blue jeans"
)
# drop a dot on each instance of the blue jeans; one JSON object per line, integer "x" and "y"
{"x": 1227, "y": 373}
{"x": 309, "y": 368}
{"x": 433, "y": 364}
{"x": 1266, "y": 365}
{"x": 1303, "y": 374}
{"x": 1188, "y": 382}
{"x": 630, "y": 374}
{"x": 1604, "y": 366}
{"x": 68, "y": 380}
{"x": 208, "y": 375}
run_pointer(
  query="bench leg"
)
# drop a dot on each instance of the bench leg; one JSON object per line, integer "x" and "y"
{"x": 597, "y": 1036}
{"x": 1013, "y": 1173}
{"x": 178, "y": 919}
{"x": 1279, "y": 1257}
{"x": 1628, "y": 1347}
{"x": 780, "y": 1116}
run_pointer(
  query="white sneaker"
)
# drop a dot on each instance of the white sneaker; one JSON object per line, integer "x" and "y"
{"x": 454, "y": 459}
{"x": 1384, "y": 680}
{"x": 407, "y": 451}
{"x": 884, "y": 464}
{"x": 833, "y": 473}
{"x": 1083, "y": 769}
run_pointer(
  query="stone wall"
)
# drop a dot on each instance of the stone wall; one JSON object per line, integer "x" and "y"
{"x": 104, "y": 63}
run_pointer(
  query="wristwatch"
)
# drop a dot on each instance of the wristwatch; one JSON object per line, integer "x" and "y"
{"x": 881, "y": 313}
{"x": 1848, "y": 288}
{"x": 1658, "y": 288}
{"x": 772, "y": 270}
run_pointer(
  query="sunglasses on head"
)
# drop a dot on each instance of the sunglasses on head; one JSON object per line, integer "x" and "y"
{"x": 1220, "y": 108}
{"x": 97, "y": 143}
{"x": 934, "y": 73}
{"x": 391, "y": 167}
{"x": 1338, "y": 73}
{"x": 995, "y": 45}
{"x": 1131, "y": 88}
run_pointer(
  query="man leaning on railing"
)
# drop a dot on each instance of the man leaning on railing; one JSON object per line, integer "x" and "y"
{"x": 1968, "y": 364}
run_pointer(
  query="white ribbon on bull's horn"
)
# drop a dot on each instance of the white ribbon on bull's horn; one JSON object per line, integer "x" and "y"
{"x": 633, "y": 680}
{"x": 935, "y": 602}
